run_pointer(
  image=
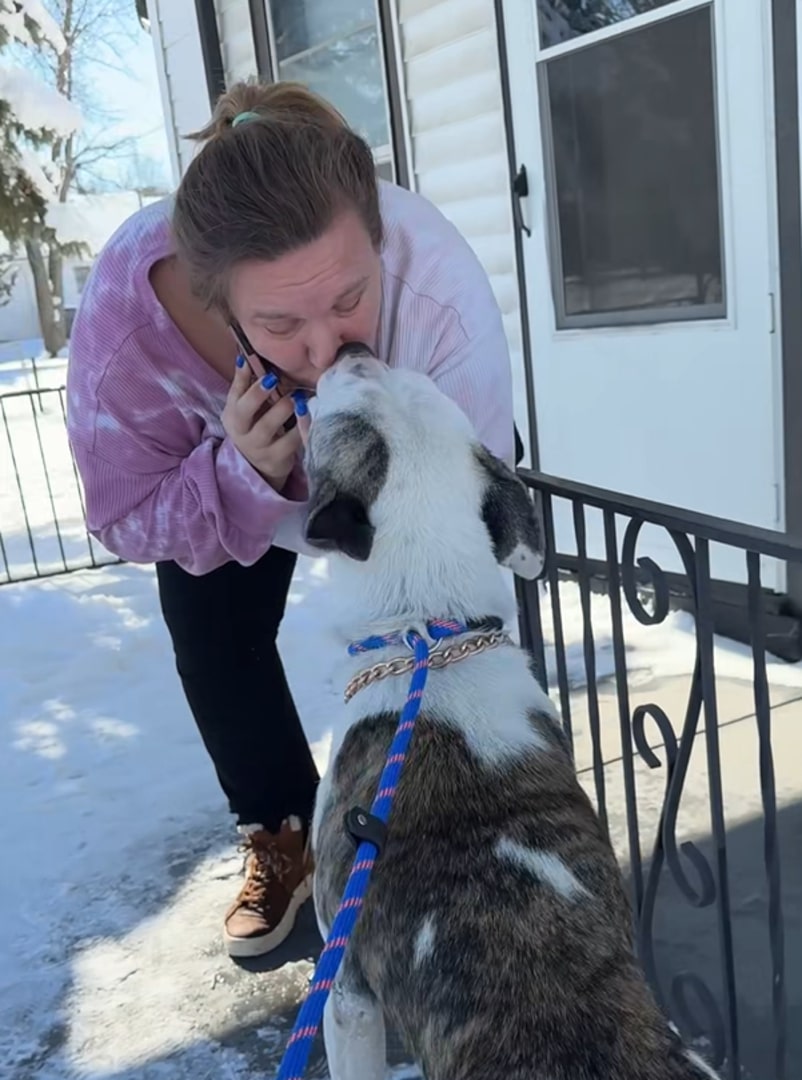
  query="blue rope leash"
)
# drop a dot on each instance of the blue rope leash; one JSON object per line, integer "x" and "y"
{"x": 437, "y": 629}
{"x": 310, "y": 1017}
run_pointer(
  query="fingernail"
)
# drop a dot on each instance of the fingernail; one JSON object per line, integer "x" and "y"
{"x": 269, "y": 381}
{"x": 240, "y": 361}
{"x": 301, "y": 407}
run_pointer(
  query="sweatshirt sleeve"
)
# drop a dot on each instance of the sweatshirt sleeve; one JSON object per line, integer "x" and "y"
{"x": 471, "y": 359}
{"x": 158, "y": 485}
{"x": 472, "y": 366}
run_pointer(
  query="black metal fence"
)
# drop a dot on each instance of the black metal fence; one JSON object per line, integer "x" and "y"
{"x": 717, "y": 907}
{"x": 42, "y": 514}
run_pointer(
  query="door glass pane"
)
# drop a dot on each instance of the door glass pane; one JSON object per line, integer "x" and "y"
{"x": 301, "y": 24}
{"x": 347, "y": 72}
{"x": 635, "y": 185}
{"x": 333, "y": 47}
{"x": 561, "y": 20}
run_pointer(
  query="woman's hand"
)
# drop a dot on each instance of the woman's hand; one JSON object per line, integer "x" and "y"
{"x": 254, "y": 417}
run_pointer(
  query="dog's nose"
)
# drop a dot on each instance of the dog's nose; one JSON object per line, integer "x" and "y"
{"x": 355, "y": 358}
{"x": 352, "y": 348}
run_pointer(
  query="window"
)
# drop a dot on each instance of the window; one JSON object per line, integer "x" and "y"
{"x": 81, "y": 274}
{"x": 561, "y": 20}
{"x": 333, "y": 46}
{"x": 631, "y": 135}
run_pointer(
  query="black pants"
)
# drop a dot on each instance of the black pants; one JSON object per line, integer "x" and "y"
{"x": 224, "y": 626}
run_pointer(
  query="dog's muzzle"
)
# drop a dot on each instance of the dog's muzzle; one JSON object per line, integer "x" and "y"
{"x": 353, "y": 350}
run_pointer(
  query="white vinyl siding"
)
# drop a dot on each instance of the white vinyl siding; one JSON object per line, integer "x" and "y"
{"x": 455, "y": 106}
{"x": 179, "y": 62}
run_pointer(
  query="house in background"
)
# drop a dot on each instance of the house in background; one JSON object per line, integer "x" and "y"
{"x": 93, "y": 219}
{"x": 19, "y": 317}
{"x": 628, "y": 173}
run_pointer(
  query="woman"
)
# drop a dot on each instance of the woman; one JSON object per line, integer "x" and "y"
{"x": 279, "y": 244}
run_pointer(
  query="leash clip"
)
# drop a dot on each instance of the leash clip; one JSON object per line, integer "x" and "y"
{"x": 362, "y": 826}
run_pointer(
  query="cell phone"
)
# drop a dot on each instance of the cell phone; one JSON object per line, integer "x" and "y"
{"x": 261, "y": 366}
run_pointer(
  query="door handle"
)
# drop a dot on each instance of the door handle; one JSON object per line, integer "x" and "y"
{"x": 520, "y": 190}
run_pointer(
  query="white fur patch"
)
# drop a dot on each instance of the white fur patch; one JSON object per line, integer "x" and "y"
{"x": 488, "y": 697}
{"x": 525, "y": 563}
{"x": 424, "y": 940}
{"x": 701, "y": 1064}
{"x": 353, "y": 1031}
{"x": 545, "y": 866}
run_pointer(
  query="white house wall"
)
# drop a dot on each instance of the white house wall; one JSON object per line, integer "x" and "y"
{"x": 452, "y": 81}
{"x": 19, "y": 317}
{"x": 179, "y": 62}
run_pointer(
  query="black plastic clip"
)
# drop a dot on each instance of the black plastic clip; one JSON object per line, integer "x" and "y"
{"x": 361, "y": 825}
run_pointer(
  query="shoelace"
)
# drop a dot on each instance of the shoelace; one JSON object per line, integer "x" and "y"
{"x": 268, "y": 863}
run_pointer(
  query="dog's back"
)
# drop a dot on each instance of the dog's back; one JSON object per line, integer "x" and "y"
{"x": 496, "y": 934}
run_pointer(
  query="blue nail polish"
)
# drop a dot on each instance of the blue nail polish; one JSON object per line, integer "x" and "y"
{"x": 301, "y": 407}
{"x": 240, "y": 361}
{"x": 269, "y": 381}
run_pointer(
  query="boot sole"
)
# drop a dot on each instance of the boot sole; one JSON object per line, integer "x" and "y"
{"x": 264, "y": 943}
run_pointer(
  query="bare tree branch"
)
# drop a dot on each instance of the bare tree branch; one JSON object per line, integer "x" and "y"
{"x": 93, "y": 152}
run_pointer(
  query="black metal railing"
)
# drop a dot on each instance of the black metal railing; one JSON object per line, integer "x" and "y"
{"x": 703, "y": 850}
{"x": 42, "y": 513}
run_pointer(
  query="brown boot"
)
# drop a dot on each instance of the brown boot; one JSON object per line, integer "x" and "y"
{"x": 278, "y": 879}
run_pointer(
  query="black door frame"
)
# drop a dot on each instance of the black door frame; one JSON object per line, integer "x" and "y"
{"x": 789, "y": 225}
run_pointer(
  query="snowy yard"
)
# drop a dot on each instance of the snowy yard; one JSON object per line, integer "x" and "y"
{"x": 118, "y": 837}
{"x": 118, "y": 855}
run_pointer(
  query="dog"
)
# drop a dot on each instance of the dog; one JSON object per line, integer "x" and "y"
{"x": 496, "y": 935}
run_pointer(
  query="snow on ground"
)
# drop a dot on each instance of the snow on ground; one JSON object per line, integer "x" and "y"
{"x": 116, "y": 841}
{"x": 19, "y": 372}
{"x": 118, "y": 854}
{"x": 16, "y": 352}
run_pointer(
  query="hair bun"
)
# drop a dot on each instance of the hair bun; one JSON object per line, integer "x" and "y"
{"x": 284, "y": 102}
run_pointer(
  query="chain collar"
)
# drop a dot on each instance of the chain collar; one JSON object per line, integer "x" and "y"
{"x": 403, "y": 665}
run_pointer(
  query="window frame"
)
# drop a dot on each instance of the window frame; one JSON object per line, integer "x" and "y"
{"x": 645, "y": 316}
{"x": 396, "y": 152}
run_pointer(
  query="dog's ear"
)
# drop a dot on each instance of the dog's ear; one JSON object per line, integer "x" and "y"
{"x": 509, "y": 514}
{"x": 338, "y": 521}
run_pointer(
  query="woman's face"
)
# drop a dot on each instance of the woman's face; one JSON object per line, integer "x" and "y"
{"x": 297, "y": 310}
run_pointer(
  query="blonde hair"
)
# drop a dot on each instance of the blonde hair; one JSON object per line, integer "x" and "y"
{"x": 270, "y": 183}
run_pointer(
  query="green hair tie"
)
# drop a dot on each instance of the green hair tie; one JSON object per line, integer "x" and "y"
{"x": 243, "y": 117}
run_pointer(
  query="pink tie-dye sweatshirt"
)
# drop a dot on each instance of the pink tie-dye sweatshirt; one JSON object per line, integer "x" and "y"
{"x": 162, "y": 480}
